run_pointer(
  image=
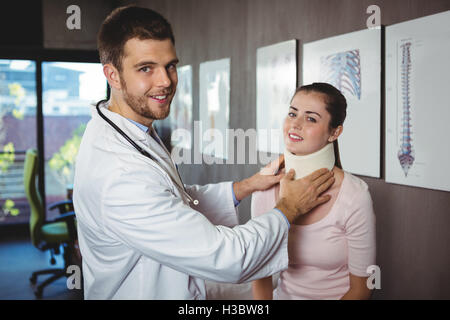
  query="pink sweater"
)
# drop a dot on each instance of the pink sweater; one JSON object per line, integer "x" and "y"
{"x": 322, "y": 254}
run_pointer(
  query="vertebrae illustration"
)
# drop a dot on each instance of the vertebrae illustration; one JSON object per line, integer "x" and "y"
{"x": 406, "y": 152}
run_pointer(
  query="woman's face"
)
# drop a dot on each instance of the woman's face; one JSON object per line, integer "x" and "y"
{"x": 306, "y": 127}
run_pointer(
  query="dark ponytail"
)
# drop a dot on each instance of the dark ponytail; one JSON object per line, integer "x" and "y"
{"x": 336, "y": 105}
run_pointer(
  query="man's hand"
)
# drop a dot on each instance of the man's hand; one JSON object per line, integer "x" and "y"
{"x": 300, "y": 196}
{"x": 263, "y": 180}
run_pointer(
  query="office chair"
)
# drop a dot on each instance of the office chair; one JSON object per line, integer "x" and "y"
{"x": 53, "y": 235}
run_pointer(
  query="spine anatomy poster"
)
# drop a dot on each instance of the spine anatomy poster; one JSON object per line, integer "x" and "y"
{"x": 352, "y": 63}
{"x": 417, "y": 102}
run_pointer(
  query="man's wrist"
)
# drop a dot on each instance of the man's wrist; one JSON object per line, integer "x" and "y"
{"x": 243, "y": 189}
{"x": 235, "y": 200}
{"x": 288, "y": 212}
{"x": 284, "y": 216}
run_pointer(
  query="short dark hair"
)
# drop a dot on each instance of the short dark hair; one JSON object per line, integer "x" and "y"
{"x": 336, "y": 105}
{"x": 125, "y": 23}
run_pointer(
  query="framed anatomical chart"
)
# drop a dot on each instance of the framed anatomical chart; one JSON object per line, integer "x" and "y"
{"x": 352, "y": 63}
{"x": 215, "y": 107}
{"x": 181, "y": 109}
{"x": 276, "y": 79}
{"x": 417, "y": 102}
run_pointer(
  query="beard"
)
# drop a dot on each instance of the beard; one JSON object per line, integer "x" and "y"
{"x": 139, "y": 104}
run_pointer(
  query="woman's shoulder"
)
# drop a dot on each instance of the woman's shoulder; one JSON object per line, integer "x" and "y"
{"x": 356, "y": 195}
{"x": 263, "y": 201}
{"x": 355, "y": 185}
{"x": 272, "y": 191}
{"x": 355, "y": 191}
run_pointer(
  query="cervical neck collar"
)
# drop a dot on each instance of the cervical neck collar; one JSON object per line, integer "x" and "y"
{"x": 304, "y": 165}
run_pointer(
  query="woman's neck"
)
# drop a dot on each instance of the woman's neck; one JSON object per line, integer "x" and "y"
{"x": 305, "y": 165}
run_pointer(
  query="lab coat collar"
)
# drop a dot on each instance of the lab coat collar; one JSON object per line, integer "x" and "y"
{"x": 155, "y": 148}
{"x": 123, "y": 123}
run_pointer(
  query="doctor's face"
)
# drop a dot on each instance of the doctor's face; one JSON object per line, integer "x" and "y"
{"x": 149, "y": 77}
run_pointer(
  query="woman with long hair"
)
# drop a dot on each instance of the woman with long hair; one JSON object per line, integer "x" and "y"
{"x": 330, "y": 247}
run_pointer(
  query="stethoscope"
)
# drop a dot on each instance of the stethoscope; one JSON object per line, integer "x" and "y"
{"x": 181, "y": 188}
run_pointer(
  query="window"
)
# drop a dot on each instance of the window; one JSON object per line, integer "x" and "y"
{"x": 17, "y": 134}
{"x": 70, "y": 92}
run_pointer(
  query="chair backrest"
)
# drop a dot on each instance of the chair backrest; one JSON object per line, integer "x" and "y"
{"x": 37, "y": 210}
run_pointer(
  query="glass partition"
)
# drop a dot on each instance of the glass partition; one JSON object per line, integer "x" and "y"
{"x": 70, "y": 92}
{"x": 17, "y": 134}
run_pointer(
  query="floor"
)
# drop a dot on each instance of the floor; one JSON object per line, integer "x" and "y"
{"x": 18, "y": 259}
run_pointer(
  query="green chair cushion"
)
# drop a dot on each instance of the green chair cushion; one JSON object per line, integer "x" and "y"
{"x": 55, "y": 232}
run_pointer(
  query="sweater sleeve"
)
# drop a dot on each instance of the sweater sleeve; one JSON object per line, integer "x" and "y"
{"x": 361, "y": 235}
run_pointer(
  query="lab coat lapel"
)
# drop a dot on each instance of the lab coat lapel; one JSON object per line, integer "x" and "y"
{"x": 158, "y": 148}
{"x": 143, "y": 139}
{"x": 125, "y": 125}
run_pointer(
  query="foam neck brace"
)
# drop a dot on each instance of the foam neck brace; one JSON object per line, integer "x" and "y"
{"x": 305, "y": 165}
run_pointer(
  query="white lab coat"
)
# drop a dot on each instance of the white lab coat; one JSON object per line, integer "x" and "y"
{"x": 140, "y": 240}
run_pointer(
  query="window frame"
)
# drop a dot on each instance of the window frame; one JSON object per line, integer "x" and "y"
{"x": 39, "y": 56}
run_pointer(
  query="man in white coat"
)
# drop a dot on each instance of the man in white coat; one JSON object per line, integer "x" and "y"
{"x": 139, "y": 235}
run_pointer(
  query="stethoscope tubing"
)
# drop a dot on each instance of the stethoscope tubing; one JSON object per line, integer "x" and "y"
{"x": 145, "y": 153}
